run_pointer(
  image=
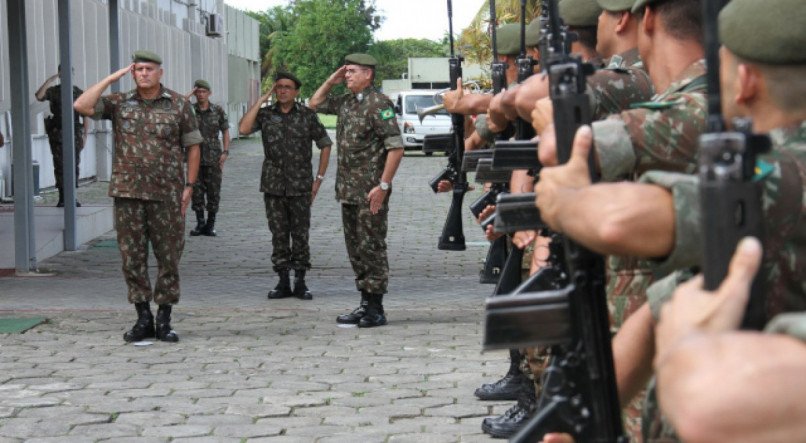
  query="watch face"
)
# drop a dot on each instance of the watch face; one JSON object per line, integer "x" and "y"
{"x": 384, "y": 186}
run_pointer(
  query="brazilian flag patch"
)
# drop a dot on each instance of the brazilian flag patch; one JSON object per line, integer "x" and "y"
{"x": 387, "y": 113}
{"x": 762, "y": 170}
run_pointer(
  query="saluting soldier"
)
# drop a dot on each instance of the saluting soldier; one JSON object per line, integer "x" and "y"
{"x": 153, "y": 127}
{"x": 53, "y": 127}
{"x": 369, "y": 152}
{"x": 212, "y": 119}
{"x": 288, "y": 130}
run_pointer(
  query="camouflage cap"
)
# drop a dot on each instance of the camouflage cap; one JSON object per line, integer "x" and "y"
{"x": 533, "y": 33}
{"x": 776, "y": 27}
{"x": 580, "y": 13}
{"x": 281, "y": 74}
{"x": 146, "y": 56}
{"x": 204, "y": 84}
{"x": 360, "y": 59}
{"x": 508, "y": 39}
{"x": 640, "y": 4}
{"x": 616, "y": 5}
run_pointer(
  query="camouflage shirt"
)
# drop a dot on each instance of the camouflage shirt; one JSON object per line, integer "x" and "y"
{"x": 660, "y": 134}
{"x": 784, "y": 205}
{"x": 618, "y": 85}
{"x": 211, "y": 121}
{"x": 366, "y": 129}
{"x": 287, "y": 142}
{"x": 54, "y": 95}
{"x": 150, "y": 137}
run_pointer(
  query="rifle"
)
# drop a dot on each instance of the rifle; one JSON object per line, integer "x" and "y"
{"x": 518, "y": 154}
{"x": 452, "y": 238}
{"x": 730, "y": 200}
{"x": 471, "y": 158}
{"x": 485, "y": 172}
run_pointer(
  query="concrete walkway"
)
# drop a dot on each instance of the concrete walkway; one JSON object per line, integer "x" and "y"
{"x": 250, "y": 369}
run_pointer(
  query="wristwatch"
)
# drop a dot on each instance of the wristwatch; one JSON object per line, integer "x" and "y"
{"x": 385, "y": 186}
{"x": 320, "y": 177}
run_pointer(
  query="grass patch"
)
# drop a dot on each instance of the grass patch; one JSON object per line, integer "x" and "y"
{"x": 359, "y": 394}
{"x": 329, "y": 121}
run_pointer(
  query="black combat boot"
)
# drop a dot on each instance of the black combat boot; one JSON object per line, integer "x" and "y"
{"x": 144, "y": 328}
{"x": 374, "y": 315}
{"x": 199, "y": 224}
{"x": 510, "y": 422}
{"x": 283, "y": 288}
{"x": 300, "y": 289}
{"x": 60, "y": 203}
{"x": 354, "y": 317}
{"x": 209, "y": 227}
{"x": 508, "y": 387}
{"x": 163, "y": 330}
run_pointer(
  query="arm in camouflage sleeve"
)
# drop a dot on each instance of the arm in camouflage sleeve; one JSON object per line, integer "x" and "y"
{"x": 320, "y": 96}
{"x": 85, "y": 104}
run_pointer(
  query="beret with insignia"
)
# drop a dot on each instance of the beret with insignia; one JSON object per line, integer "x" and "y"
{"x": 769, "y": 32}
{"x": 508, "y": 38}
{"x": 285, "y": 74}
{"x": 639, "y": 4}
{"x": 360, "y": 59}
{"x": 616, "y": 5}
{"x": 580, "y": 13}
{"x": 146, "y": 56}
{"x": 204, "y": 84}
{"x": 533, "y": 33}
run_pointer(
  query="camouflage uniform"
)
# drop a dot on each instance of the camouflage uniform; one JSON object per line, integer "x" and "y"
{"x": 784, "y": 177}
{"x": 366, "y": 129}
{"x": 53, "y": 127}
{"x": 147, "y": 183}
{"x": 208, "y": 183}
{"x": 286, "y": 180}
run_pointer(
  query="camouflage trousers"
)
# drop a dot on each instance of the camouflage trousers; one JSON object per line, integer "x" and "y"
{"x": 365, "y": 237}
{"x": 208, "y": 184}
{"x": 138, "y": 223}
{"x": 55, "y": 141}
{"x": 290, "y": 224}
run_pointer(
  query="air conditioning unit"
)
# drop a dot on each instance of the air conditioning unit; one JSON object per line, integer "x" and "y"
{"x": 215, "y": 25}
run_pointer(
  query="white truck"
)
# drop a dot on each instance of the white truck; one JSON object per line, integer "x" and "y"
{"x": 411, "y": 129}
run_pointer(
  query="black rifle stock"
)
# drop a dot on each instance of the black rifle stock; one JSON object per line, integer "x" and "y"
{"x": 453, "y": 237}
{"x": 438, "y": 143}
{"x": 486, "y": 174}
{"x": 471, "y": 158}
{"x": 487, "y": 199}
{"x": 517, "y": 154}
{"x": 730, "y": 200}
{"x": 517, "y": 212}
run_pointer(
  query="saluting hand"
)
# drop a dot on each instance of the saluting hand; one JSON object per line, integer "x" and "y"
{"x": 557, "y": 181}
{"x": 338, "y": 76}
{"x": 117, "y": 75}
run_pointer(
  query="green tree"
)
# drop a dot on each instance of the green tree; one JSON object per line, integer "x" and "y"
{"x": 323, "y": 33}
{"x": 273, "y": 23}
{"x": 393, "y": 55}
{"x": 474, "y": 41}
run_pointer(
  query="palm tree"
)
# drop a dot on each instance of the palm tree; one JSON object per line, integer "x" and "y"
{"x": 474, "y": 41}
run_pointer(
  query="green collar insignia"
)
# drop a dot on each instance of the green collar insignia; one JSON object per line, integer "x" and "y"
{"x": 387, "y": 113}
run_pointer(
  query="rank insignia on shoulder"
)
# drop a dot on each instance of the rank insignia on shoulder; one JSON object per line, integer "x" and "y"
{"x": 387, "y": 113}
{"x": 653, "y": 105}
{"x": 762, "y": 170}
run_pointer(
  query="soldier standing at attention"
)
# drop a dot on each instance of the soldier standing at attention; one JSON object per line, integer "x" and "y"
{"x": 153, "y": 126}
{"x": 212, "y": 119}
{"x": 288, "y": 128}
{"x": 53, "y": 127}
{"x": 370, "y": 150}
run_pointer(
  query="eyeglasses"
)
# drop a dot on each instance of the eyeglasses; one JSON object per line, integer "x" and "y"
{"x": 353, "y": 71}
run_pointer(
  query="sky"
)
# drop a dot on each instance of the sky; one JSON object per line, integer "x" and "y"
{"x": 404, "y": 18}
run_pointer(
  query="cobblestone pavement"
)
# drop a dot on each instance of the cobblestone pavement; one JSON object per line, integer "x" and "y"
{"x": 250, "y": 369}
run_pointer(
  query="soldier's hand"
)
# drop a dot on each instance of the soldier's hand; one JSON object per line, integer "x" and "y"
{"x": 486, "y": 212}
{"x": 451, "y": 98}
{"x": 693, "y": 309}
{"x": 491, "y": 233}
{"x": 558, "y": 181}
{"x": 522, "y": 239}
{"x": 222, "y": 159}
{"x": 117, "y": 75}
{"x": 444, "y": 186}
{"x": 315, "y": 189}
{"x": 496, "y": 120}
{"x": 338, "y": 76}
{"x": 186, "y": 196}
{"x": 557, "y": 438}
{"x": 547, "y": 153}
{"x": 542, "y": 114}
{"x": 376, "y": 197}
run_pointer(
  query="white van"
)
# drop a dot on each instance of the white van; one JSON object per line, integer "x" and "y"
{"x": 412, "y": 131}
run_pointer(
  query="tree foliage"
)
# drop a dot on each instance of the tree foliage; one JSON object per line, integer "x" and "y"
{"x": 474, "y": 41}
{"x": 273, "y": 22}
{"x": 323, "y": 32}
{"x": 393, "y": 55}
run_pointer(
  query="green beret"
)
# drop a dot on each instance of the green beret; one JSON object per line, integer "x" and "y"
{"x": 580, "y": 13}
{"x": 360, "y": 59}
{"x": 769, "y": 32}
{"x": 508, "y": 39}
{"x": 639, "y": 4}
{"x": 204, "y": 84}
{"x": 616, "y": 5}
{"x": 533, "y": 33}
{"x": 285, "y": 74}
{"x": 146, "y": 56}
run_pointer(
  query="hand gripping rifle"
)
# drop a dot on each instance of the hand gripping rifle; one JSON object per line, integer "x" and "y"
{"x": 730, "y": 198}
{"x": 453, "y": 238}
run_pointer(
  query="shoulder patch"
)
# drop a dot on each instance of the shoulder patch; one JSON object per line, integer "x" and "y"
{"x": 387, "y": 113}
{"x": 762, "y": 170}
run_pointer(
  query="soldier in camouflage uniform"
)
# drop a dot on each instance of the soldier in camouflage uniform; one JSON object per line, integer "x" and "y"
{"x": 153, "y": 127}
{"x": 369, "y": 152}
{"x": 212, "y": 119}
{"x": 53, "y": 127}
{"x": 288, "y": 129}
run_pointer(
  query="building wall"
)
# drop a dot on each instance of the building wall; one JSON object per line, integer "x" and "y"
{"x": 175, "y": 29}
